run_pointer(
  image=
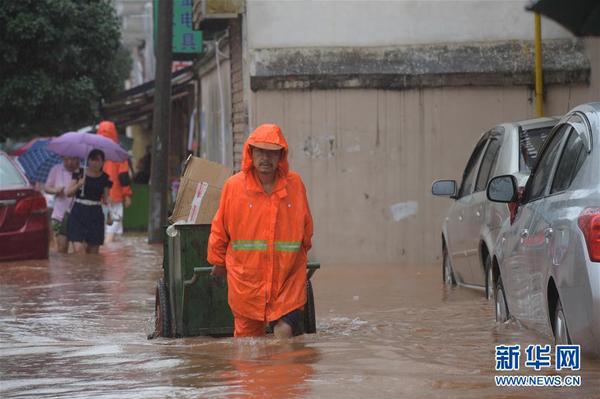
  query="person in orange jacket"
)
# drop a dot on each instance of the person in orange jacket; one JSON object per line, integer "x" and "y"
{"x": 120, "y": 193}
{"x": 260, "y": 237}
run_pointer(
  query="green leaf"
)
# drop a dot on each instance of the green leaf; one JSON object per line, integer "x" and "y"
{"x": 59, "y": 59}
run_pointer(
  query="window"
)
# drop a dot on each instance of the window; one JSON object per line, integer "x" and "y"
{"x": 541, "y": 174}
{"x": 9, "y": 176}
{"x": 530, "y": 145}
{"x": 471, "y": 170}
{"x": 487, "y": 164}
{"x": 581, "y": 126}
{"x": 570, "y": 162}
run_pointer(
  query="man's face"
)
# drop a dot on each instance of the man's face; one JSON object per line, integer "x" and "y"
{"x": 265, "y": 161}
{"x": 71, "y": 163}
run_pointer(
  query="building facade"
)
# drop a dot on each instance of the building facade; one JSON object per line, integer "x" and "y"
{"x": 380, "y": 98}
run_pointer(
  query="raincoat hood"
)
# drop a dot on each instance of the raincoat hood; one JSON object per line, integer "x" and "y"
{"x": 271, "y": 134}
{"x": 118, "y": 172}
{"x": 108, "y": 130}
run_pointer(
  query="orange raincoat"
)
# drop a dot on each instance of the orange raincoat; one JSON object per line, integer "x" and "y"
{"x": 118, "y": 172}
{"x": 263, "y": 239}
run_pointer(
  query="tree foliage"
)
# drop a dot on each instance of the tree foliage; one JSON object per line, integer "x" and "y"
{"x": 58, "y": 60}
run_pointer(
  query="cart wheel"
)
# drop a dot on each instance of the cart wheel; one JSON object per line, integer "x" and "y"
{"x": 162, "y": 320}
{"x": 310, "y": 322}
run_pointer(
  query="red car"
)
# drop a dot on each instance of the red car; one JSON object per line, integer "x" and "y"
{"x": 24, "y": 229}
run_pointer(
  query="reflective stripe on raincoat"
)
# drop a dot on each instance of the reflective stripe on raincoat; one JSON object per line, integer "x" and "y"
{"x": 263, "y": 239}
{"x": 118, "y": 172}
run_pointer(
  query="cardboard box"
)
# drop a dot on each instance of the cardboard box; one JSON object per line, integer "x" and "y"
{"x": 199, "y": 191}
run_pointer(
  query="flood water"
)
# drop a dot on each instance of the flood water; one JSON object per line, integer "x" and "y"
{"x": 77, "y": 326}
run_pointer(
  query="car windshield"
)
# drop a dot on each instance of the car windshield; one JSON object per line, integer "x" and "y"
{"x": 530, "y": 145}
{"x": 9, "y": 175}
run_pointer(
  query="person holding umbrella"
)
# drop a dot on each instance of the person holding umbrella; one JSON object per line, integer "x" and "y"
{"x": 58, "y": 181}
{"x": 95, "y": 149}
{"x": 85, "y": 227}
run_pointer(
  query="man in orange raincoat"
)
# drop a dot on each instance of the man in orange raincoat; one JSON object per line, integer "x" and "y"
{"x": 260, "y": 237}
{"x": 120, "y": 192}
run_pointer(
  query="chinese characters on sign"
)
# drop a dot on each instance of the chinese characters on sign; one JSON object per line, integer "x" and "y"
{"x": 567, "y": 357}
{"x": 507, "y": 357}
{"x": 538, "y": 356}
{"x": 186, "y": 41}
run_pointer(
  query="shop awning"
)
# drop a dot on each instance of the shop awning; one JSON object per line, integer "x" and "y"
{"x": 136, "y": 105}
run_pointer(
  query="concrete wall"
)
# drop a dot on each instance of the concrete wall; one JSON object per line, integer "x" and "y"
{"x": 562, "y": 98}
{"x": 368, "y": 157}
{"x": 141, "y": 139}
{"x": 132, "y": 15}
{"x": 307, "y": 23}
{"x": 137, "y": 37}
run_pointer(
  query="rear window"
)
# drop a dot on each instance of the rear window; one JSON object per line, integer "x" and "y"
{"x": 530, "y": 145}
{"x": 9, "y": 175}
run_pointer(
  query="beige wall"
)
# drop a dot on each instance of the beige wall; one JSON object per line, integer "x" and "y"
{"x": 141, "y": 139}
{"x": 360, "y": 152}
{"x": 561, "y": 99}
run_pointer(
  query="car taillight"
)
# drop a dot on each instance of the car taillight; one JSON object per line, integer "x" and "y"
{"x": 29, "y": 205}
{"x": 589, "y": 223}
{"x": 513, "y": 207}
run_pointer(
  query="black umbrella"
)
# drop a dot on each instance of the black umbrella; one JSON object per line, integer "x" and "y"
{"x": 582, "y": 17}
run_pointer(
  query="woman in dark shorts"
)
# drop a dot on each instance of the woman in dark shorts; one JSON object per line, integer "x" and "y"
{"x": 85, "y": 227}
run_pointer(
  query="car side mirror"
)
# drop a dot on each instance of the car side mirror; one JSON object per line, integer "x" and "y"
{"x": 503, "y": 189}
{"x": 444, "y": 188}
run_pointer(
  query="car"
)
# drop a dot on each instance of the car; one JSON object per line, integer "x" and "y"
{"x": 472, "y": 222}
{"x": 546, "y": 262}
{"x": 24, "y": 224}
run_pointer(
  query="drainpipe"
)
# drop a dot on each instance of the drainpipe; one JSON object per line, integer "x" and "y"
{"x": 539, "y": 89}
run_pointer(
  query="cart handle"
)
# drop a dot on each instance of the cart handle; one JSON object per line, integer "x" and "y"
{"x": 197, "y": 272}
{"x": 311, "y": 269}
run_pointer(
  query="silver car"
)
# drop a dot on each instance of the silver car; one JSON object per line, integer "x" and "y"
{"x": 472, "y": 223}
{"x": 546, "y": 263}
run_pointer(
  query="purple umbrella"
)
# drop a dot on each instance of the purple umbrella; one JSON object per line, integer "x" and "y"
{"x": 75, "y": 144}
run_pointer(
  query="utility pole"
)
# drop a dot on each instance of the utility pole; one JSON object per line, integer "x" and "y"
{"x": 161, "y": 123}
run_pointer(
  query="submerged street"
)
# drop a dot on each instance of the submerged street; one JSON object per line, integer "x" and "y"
{"x": 385, "y": 149}
{"x": 77, "y": 326}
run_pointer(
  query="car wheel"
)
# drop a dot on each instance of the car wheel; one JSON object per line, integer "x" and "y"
{"x": 310, "y": 320}
{"x": 162, "y": 316}
{"x": 502, "y": 313}
{"x": 447, "y": 273}
{"x": 489, "y": 278}
{"x": 561, "y": 332}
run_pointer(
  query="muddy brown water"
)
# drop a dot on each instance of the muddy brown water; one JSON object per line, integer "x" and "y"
{"x": 76, "y": 327}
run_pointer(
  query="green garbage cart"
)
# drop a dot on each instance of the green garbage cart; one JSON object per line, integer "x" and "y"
{"x": 189, "y": 301}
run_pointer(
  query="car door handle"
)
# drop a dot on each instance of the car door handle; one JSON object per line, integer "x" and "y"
{"x": 7, "y": 202}
{"x": 548, "y": 233}
{"x": 460, "y": 218}
{"x": 478, "y": 214}
{"x": 524, "y": 233}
